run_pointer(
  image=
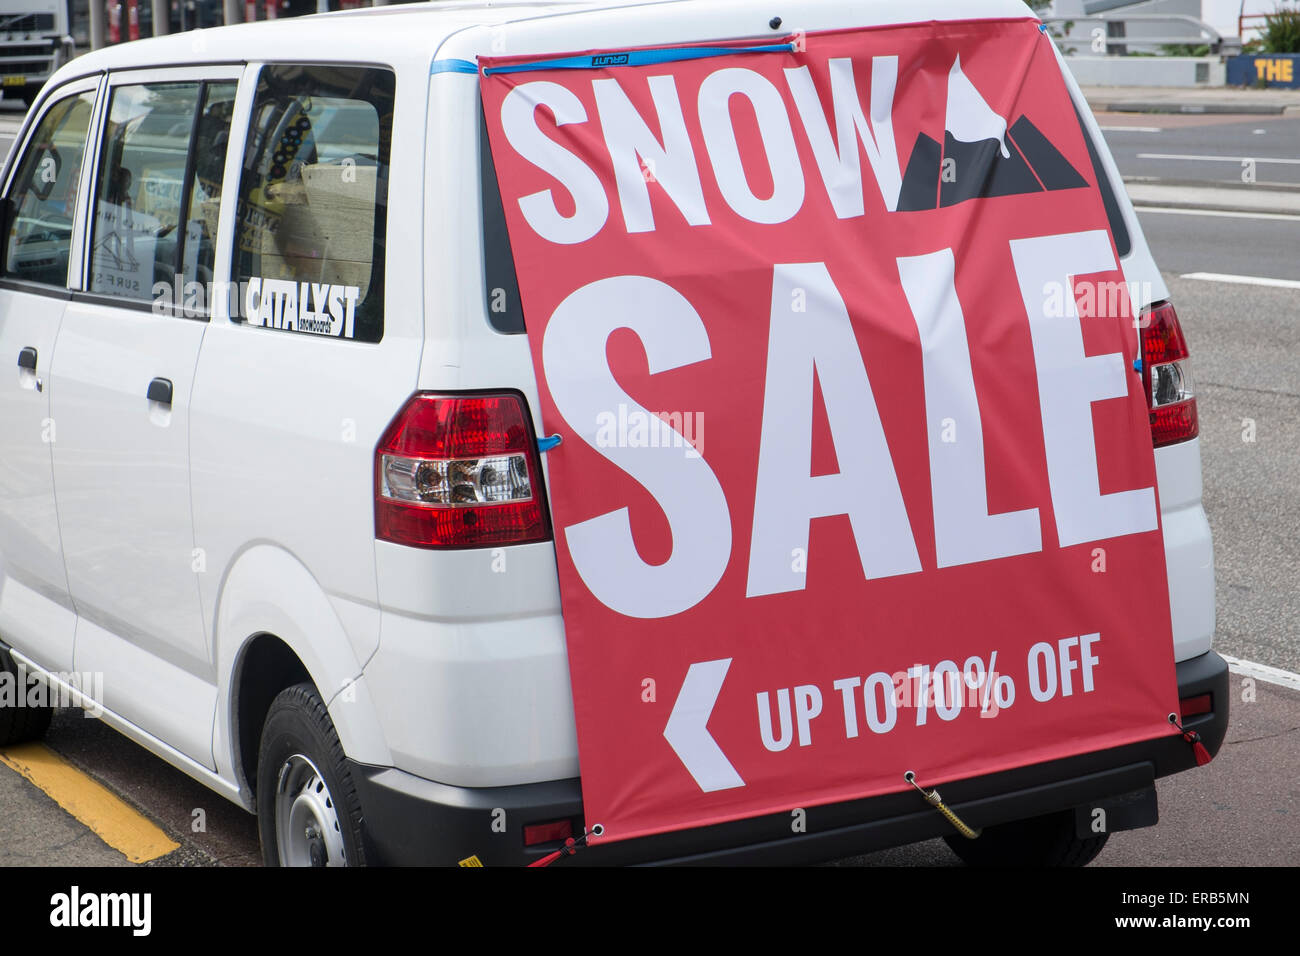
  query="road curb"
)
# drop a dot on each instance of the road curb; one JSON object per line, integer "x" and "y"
{"x": 1128, "y": 106}
{"x": 1265, "y": 203}
{"x": 1139, "y": 206}
{"x": 1282, "y": 189}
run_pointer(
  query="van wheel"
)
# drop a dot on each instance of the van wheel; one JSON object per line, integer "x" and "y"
{"x": 308, "y": 813}
{"x": 20, "y": 723}
{"x": 1039, "y": 841}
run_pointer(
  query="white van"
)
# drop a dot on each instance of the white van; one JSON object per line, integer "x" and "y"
{"x": 202, "y": 503}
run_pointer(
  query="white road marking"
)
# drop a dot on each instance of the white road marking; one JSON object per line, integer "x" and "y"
{"x": 1219, "y": 159}
{"x": 1131, "y": 129}
{"x": 1243, "y": 280}
{"x": 1270, "y": 675}
{"x": 1220, "y": 213}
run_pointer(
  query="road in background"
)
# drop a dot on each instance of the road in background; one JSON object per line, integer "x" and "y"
{"x": 1205, "y": 148}
{"x": 1187, "y": 240}
{"x": 1245, "y": 347}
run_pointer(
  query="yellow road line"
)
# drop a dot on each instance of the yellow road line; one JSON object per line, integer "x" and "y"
{"x": 113, "y": 821}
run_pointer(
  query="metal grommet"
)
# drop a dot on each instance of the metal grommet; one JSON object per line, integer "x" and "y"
{"x": 598, "y": 829}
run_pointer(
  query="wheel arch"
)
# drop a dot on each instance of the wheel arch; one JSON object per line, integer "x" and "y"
{"x": 275, "y": 627}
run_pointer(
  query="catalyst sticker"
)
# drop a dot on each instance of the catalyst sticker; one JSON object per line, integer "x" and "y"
{"x": 317, "y": 308}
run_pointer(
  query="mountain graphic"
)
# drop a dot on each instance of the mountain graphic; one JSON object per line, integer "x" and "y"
{"x": 988, "y": 159}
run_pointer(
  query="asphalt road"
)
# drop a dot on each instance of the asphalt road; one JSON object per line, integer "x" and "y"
{"x": 1205, "y": 148}
{"x": 1245, "y": 343}
{"x": 1245, "y": 346}
{"x": 1184, "y": 241}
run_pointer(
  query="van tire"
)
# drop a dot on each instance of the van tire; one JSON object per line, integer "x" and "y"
{"x": 303, "y": 784}
{"x": 20, "y": 723}
{"x": 1038, "y": 841}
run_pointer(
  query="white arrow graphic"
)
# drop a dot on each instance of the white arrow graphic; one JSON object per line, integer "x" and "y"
{"x": 687, "y": 731}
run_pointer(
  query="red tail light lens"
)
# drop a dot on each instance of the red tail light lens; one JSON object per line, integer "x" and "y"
{"x": 460, "y": 471}
{"x": 1166, "y": 373}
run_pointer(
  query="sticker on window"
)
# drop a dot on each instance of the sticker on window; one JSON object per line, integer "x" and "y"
{"x": 312, "y": 307}
{"x": 124, "y": 252}
{"x": 313, "y": 199}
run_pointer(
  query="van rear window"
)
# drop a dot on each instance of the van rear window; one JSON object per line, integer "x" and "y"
{"x": 500, "y": 284}
{"x": 1115, "y": 218}
{"x": 313, "y": 201}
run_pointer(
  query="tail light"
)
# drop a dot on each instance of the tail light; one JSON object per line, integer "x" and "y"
{"x": 1166, "y": 374}
{"x": 460, "y": 471}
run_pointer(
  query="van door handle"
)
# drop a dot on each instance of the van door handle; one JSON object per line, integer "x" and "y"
{"x": 27, "y": 359}
{"x": 160, "y": 391}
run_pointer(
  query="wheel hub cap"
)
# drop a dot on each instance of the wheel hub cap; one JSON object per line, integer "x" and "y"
{"x": 306, "y": 818}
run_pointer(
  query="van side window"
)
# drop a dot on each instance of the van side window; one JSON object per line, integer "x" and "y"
{"x": 138, "y": 189}
{"x": 313, "y": 201}
{"x": 164, "y": 151}
{"x": 43, "y": 196}
{"x": 207, "y": 167}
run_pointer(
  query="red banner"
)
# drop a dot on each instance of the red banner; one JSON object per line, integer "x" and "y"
{"x": 856, "y": 474}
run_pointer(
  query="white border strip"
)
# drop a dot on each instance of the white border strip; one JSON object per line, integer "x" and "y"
{"x": 1270, "y": 675}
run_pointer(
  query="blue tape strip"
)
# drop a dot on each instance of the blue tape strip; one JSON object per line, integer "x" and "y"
{"x": 548, "y": 442}
{"x": 453, "y": 66}
{"x": 602, "y": 61}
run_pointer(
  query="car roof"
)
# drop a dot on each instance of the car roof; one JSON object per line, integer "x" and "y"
{"x": 410, "y": 35}
{"x": 394, "y": 34}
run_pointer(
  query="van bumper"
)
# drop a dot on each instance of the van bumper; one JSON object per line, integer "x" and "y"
{"x": 412, "y": 821}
